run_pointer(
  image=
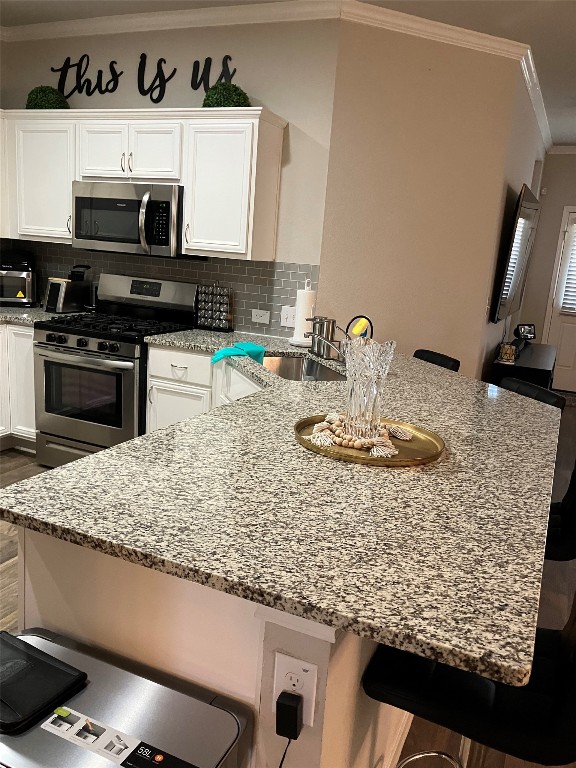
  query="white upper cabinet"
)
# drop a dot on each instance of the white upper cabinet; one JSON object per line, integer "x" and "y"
{"x": 228, "y": 161}
{"x": 138, "y": 150}
{"x": 218, "y": 175}
{"x": 45, "y": 156}
{"x": 231, "y": 180}
{"x": 4, "y": 210}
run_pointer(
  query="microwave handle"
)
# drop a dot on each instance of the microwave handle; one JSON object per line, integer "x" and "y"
{"x": 141, "y": 221}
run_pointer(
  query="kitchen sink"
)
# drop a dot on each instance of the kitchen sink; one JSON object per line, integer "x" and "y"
{"x": 301, "y": 369}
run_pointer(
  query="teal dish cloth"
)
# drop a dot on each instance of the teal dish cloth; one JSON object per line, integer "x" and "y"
{"x": 242, "y": 349}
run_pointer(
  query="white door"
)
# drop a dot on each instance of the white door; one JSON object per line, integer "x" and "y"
{"x": 4, "y": 385}
{"x": 44, "y": 174}
{"x": 21, "y": 377}
{"x": 561, "y": 316}
{"x": 218, "y": 188}
{"x": 170, "y": 403}
{"x": 104, "y": 149}
{"x": 154, "y": 150}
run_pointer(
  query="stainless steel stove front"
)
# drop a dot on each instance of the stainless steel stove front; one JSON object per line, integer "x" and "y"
{"x": 85, "y": 401}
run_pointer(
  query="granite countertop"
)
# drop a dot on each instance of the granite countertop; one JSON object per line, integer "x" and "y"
{"x": 444, "y": 560}
{"x": 23, "y": 316}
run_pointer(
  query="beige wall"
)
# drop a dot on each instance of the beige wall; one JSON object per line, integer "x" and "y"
{"x": 289, "y": 68}
{"x": 559, "y": 181}
{"x": 415, "y": 188}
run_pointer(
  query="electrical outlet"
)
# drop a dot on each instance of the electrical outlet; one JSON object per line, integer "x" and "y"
{"x": 296, "y": 676}
{"x": 261, "y": 316}
{"x": 288, "y": 317}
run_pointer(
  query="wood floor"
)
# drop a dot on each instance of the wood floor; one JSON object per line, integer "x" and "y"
{"x": 558, "y": 586}
{"x": 14, "y": 466}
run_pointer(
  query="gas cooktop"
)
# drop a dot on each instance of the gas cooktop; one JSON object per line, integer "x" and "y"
{"x": 111, "y": 327}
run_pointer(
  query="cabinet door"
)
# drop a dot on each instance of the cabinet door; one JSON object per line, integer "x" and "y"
{"x": 154, "y": 150}
{"x": 44, "y": 174}
{"x": 104, "y": 149}
{"x": 170, "y": 403}
{"x": 218, "y": 187}
{"x": 4, "y": 213}
{"x": 21, "y": 380}
{"x": 4, "y": 385}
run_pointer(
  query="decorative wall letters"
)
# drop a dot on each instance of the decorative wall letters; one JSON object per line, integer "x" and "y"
{"x": 76, "y": 78}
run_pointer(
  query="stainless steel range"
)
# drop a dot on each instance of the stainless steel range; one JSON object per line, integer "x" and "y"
{"x": 90, "y": 369}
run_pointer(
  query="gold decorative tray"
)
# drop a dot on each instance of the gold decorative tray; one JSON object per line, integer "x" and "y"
{"x": 424, "y": 447}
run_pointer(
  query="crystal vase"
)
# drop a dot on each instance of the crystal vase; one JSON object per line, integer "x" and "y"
{"x": 367, "y": 364}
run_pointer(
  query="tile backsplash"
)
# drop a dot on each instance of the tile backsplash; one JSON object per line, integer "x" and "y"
{"x": 267, "y": 285}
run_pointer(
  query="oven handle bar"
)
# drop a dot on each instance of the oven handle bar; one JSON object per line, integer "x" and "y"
{"x": 92, "y": 362}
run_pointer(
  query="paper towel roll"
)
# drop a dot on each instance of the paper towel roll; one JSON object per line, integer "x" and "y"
{"x": 305, "y": 304}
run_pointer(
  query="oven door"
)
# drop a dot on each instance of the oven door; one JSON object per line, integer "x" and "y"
{"x": 16, "y": 288}
{"x": 86, "y": 398}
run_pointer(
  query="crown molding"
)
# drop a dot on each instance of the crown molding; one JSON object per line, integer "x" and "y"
{"x": 168, "y": 113}
{"x": 562, "y": 149}
{"x": 372, "y": 15}
{"x": 298, "y": 10}
{"x": 222, "y": 16}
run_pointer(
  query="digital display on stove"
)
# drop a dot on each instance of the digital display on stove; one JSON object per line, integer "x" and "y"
{"x": 145, "y": 288}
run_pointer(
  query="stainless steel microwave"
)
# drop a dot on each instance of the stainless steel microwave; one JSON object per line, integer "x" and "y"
{"x": 129, "y": 218}
{"x": 17, "y": 285}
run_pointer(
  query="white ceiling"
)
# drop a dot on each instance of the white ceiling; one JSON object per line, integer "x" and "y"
{"x": 548, "y": 26}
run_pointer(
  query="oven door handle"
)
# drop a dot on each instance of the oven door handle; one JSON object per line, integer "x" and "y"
{"x": 96, "y": 362}
{"x": 142, "y": 220}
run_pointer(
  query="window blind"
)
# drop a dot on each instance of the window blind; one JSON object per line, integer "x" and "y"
{"x": 522, "y": 232}
{"x": 569, "y": 293}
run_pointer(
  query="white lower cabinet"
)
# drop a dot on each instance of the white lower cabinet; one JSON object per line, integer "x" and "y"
{"x": 179, "y": 386}
{"x": 4, "y": 385}
{"x": 170, "y": 403}
{"x": 17, "y": 413}
{"x": 230, "y": 385}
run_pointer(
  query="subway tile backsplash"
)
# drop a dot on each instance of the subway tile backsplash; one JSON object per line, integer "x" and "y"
{"x": 267, "y": 285}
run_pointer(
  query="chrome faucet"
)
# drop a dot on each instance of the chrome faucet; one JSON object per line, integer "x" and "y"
{"x": 325, "y": 342}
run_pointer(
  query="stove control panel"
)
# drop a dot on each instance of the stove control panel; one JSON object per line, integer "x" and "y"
{"x": 85, "y": 345}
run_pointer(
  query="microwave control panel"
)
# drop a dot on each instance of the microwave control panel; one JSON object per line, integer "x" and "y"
{"x": 160, "y": 214}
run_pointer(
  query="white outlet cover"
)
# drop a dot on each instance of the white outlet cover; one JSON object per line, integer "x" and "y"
{"x": 297, "y": 676}
{"x": 261, "y": 316}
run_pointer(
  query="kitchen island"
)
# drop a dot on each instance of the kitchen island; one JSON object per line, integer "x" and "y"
{"x": 278, "y": 548}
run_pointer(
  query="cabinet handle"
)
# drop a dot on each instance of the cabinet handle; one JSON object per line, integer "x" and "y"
{"x": 149, "y": 395}
{"x": 68, "y": 223}
{"x": 122, "y": 161}
{"x": 130, "y": 162}
{"x": 186, "y": 233}
{"x": 179, "y": 367}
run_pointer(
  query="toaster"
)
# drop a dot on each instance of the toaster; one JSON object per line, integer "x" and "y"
{"x": 65, "y": 295}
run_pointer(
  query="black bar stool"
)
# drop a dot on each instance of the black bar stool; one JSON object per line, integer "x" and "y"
{"x": 535, "y": 722}
{"x": 437, "y": 358}
{"x": 534, "y": 391}
{"x": 561, "y": 537}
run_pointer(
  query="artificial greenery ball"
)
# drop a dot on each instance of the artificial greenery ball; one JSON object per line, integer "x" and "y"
{"x": 226, "y": 95}
{"x": 46, "y": 97}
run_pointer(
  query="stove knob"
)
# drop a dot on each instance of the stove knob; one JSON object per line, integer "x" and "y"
{"x": 113, "y": 347}
{"x": 81, "y": 342}
{"x": 61, "y": 339}
{"x": 50, "y": 337}
{"x": 102, "y": 346}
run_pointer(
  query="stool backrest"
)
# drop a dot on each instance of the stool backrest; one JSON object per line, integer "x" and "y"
{"x": 532, "y": 390}
{"x": 437, "y": 358}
